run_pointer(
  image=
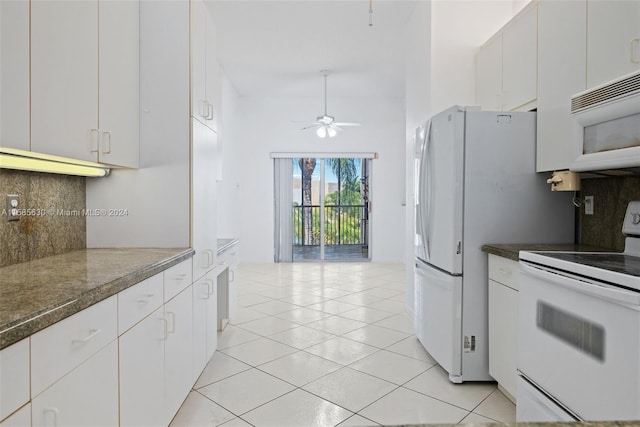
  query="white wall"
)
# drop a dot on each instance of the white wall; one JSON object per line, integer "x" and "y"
{"x": 156, "y": 195}
{"x": 263, "y": 126}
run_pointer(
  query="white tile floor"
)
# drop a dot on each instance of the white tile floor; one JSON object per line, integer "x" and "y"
{"x": 329, "y": 345}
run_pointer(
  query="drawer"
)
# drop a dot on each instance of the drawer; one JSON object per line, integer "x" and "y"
{"x": 139, "y": 301}
{"x": 504, "y": 270}
{"x": 14, "y": 377}
{"x": 177, "y": 279}
{"x": 61, "y": 347}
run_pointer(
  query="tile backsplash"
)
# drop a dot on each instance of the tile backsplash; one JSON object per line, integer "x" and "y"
{"x": 55, "y": 222}
{"x": 611, "y": 196}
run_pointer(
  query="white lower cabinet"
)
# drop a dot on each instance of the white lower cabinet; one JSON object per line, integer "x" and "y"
{"x": 14, "y": 377}
{"x": 88, "y": 395}
{"x": 142, "y": 371}
{"x": 177, "y": 353}
{"x": 205, "y": 334}
{"x": 21, "y": 418}
{"x": 82, "y": 372}
{"x": 155, "y": 364}
{"x": 503, "y": 321}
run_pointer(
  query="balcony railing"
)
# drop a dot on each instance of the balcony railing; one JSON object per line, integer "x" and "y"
{"x": 343, "y": 225}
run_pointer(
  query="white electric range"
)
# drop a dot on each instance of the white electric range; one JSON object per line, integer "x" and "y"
{"x": 579, "y": 332}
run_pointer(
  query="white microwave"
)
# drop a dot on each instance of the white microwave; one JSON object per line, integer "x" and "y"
{"x": 607, "y": 125}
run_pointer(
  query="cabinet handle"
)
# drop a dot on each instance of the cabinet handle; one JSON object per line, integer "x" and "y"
{"x": 180, "y": 277}
{"x": 232, "y": 275}
{"x": 106, "y": 140}
{"x": 207, "y": 258}
{"x": 209, "y": 285}
{"x": 204, "y": 109}
{"x": 95, "y": 135}
{"x": 173, "y": 322}
{"x": 54, "y": 412}
{"x": 145, "y": 298}
{"x": 165, "y": 333}
{"x": 633, "y": 49}
{"x": 210, "y": 111}
{"x": 92, "y": 335}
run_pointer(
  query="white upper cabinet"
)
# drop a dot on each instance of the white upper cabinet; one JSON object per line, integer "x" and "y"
{"x": 489, "y": 74}
{"x": 14, "y": 74}
{"x": 613, "y": 39}
{"x": 64, "y": 78}
{"x": 519, "y": 60}
{"x": 506, "y": 69}
{"x": 205, "y": 71}
{"x": 119, "y": 94}
{"x": 561, "y": 73}
{"x": 84, "y": 80}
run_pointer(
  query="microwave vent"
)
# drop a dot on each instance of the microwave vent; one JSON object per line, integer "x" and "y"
{"x": 616, "y": 89}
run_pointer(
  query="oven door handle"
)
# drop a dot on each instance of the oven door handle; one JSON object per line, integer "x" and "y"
{"x": 620, "y": 296}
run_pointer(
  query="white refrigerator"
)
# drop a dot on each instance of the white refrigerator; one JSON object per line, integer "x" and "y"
{"x": 475, "y": 184}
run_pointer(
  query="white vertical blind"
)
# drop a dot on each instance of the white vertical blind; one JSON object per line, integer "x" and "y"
{"x": 283, "y": 195}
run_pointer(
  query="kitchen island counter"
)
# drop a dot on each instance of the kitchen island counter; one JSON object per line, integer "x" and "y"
{"x": 39, "y": 293}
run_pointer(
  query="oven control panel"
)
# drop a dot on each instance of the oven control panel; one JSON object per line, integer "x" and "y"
{"x": 631, "y": 226}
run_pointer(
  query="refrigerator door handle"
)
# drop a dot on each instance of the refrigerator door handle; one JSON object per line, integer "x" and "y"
{"x": 429, "y": 189}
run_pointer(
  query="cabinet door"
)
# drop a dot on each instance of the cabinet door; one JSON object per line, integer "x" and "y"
{"x": 198, "y": 30}
{"x": 119, "y": 87}
{"x": 14, "y": 74}
{"x": 489, "y": 75}
{"x": 213, "y": 74}
{"x": 519, "y": 59}
{"x": 503, "y": 335}
{"x": 561, "y": 73}
{"x": 87, "y": 396}
{"x": 201, "y": 291}
{"x": 178, "y": 360}
{"x": 142, "y": 372}
{"x": 21, "y": 418}
{"x": 14, "y": 377}
{"x": 212, "y": 318}
{"x": 613, "y": 39}
{"x": 64, "y": 78}
{"x": 203, "y": 193}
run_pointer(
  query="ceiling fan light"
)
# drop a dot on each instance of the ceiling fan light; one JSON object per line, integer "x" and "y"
{"x": 332, "y": 132}
{"x": 322, "y": 132}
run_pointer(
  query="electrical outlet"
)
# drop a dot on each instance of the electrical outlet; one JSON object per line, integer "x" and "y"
{"x": 588, "y": 205}
{"x": 12, "y": 207}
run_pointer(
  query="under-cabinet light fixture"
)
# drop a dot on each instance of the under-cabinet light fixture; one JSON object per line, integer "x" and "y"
{"x": 11, "y": 158}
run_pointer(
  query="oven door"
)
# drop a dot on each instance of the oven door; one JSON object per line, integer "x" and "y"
{"x": 579, "y": 341}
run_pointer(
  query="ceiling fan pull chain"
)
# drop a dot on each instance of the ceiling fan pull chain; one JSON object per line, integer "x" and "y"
{"x": 371, "y": 13}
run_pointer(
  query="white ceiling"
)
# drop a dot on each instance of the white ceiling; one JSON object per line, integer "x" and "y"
{"x": 277, "y": 48}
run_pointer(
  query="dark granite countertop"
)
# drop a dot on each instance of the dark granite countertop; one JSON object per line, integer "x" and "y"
{"x": 36, "y": 294}
{"x": 224, "y": 244}
{"x": 512, "y": 251}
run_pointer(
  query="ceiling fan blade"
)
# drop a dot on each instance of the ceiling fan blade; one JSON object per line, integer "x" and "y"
{"x": 347, "y": 124}
{"x": 315, "y": 125}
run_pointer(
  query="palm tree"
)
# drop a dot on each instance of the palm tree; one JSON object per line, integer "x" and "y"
{"x": 307, "y": 166}
{"x": 346, "y": 171}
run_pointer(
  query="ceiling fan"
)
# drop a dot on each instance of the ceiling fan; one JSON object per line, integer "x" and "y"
{"x": 326, "y": 125}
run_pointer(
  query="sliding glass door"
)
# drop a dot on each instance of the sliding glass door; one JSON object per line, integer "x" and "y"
{"x": 330, "y": 209}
